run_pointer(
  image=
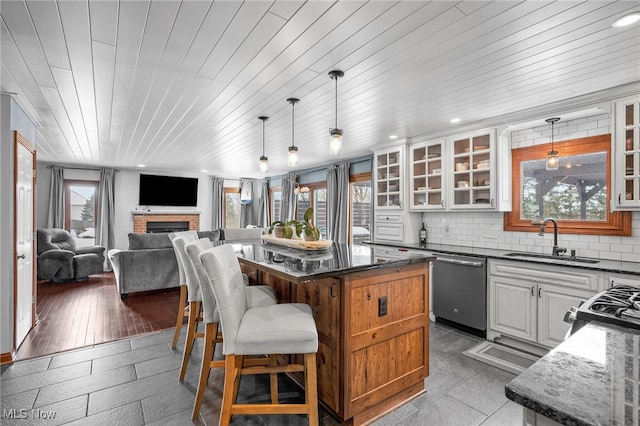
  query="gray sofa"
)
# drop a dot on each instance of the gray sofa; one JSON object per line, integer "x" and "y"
{"x": 149, "y": 263}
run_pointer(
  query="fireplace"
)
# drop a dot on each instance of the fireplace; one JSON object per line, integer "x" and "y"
{"x": 153, "y": 227}
{"x": 144, "y": 221}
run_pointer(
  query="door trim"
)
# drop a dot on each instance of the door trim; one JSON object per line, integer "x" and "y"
{"x": 21, "y": 140}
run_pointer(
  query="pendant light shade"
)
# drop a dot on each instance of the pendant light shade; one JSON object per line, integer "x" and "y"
{"x": 292, "y": 158}
{"x": 552, "y": 156}
{"x": 335, "y": 134}
{"x": 264, "y": 161}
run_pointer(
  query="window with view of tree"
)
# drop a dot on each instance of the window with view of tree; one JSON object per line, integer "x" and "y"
{"x": 361, "y": 207}
{"x": 577, "y": 194}
{"x": 231, "y": 207}
{"x": 80, "y": 210}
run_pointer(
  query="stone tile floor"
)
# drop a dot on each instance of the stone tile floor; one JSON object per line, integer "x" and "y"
{"x": 135, "y": 382}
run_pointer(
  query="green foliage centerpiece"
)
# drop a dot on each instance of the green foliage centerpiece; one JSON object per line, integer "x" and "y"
{"x": 286, "y": 229}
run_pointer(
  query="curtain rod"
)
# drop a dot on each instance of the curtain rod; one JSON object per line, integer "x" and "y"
{"x": 83, "y": 168}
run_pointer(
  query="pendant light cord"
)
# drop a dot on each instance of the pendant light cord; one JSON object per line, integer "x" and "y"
{"x": 293, "y": 121}
{"x": 336, "y": 77}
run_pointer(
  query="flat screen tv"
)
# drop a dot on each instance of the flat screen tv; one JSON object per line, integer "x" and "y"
{"x": 158, "y": 190}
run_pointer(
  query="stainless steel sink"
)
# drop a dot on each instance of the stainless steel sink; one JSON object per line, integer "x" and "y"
{"x": 551, "y": 257}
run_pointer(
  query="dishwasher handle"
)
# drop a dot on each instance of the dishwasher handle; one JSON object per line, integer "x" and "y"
{"x": 477, "y": 264}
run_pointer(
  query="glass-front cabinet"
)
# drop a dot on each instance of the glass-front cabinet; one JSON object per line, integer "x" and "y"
{"x": 626, "y": 166}
{"x": 427, "y": 178}
{"x": 472, "y": 165}
{"x": 454, "y": 173}
{"x": 389, "y": 172}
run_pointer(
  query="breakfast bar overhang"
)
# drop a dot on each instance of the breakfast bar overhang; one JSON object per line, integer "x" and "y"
{"x": 372, "y": 316}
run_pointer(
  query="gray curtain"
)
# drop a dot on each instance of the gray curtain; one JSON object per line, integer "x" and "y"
{"x": 288, "y": 208}
{"x": 250, "y": 213}
{"x": 265, "y": 214}
{"x": 55, "y": 215}
{"x": 338, "y": 202}
{"x": 217, "y": 203}
{"x": 106, "y": 217}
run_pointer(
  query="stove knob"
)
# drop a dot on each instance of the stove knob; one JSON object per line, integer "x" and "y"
{"x": 570, "y": 315}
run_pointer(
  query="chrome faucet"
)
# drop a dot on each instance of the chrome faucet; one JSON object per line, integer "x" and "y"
{"x": 557, "y": 251}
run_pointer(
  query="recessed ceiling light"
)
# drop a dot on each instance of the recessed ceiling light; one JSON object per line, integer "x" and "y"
{"x": 455, "y": 120}
{"x": 393, "y": 137}
{"x": 204, "y": 171}
{"x": 141, "y": 165}
{"x": 627, "y": 20}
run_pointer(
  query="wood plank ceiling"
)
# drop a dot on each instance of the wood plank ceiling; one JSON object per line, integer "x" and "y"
{"x": 178, "y": 85}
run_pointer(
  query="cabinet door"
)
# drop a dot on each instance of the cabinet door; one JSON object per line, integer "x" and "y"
{"x": 389, "y": 173}
{"x": 626, "y": 167}
{"x": 427, "y": 176}
{"x": 512, "y": 307}
{"x": 473, "y": 170}
{"x": 553, "y": 303}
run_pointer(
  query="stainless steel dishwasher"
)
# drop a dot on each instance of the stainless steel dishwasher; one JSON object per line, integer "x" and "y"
{"x": 460, "y": 290}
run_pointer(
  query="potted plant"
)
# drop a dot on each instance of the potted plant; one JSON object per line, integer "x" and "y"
{"x": 280, "y": 230}
{"x": 304, "y": 228}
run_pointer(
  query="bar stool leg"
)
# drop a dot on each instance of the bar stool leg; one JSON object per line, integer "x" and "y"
{"x": 194, "y": 313}
{"x": 273, "y": 361}
{"x": 311, "y": 388}
{"x": 210, "y": 338}
{"x": 231, "y": 383}
{"x": 181, "y": 315}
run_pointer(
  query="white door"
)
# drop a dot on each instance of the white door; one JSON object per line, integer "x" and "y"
{"x": 24, "y": 239}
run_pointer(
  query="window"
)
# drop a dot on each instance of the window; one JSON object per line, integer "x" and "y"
{"x": 577, "y": 194}
{"x": 316, "y": 198}
{"x": 80, "y": 209}
{"x": 275, "y": 200}
{"x": 232, "y": 207}
{"x": 360, "y": 207}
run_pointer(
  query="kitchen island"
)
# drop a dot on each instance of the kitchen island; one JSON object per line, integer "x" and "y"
{"x": 372, "y": 320}
{"x": 592, "y": 378}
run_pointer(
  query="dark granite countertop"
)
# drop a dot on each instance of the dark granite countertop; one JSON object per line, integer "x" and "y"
{"x": 302, "y": 266}
{"x": 592, "y": 378}
{"x": 602, "y": 264}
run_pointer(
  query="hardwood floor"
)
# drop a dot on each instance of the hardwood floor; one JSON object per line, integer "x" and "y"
{"x": 84, "y": 313}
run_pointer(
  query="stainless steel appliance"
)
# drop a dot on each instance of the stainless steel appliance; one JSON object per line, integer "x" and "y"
{"x": 619, "y": 305}
{"x": 460, "y": 291}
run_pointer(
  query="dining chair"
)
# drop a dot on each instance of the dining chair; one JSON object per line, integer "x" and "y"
{"x": 194, "y": 296}
{"x": 257, "y": 295}
{"x": 183, "y": 308}
{"x": 287, "y": 328}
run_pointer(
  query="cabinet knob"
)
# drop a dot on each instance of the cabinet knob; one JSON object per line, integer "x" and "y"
{"x": 442, "y": 203}
{"x": 539, "y": 292}
{"x": 619, "y": 198}
{"x": 533, "y": 291}
{"x": 492, "y": 202}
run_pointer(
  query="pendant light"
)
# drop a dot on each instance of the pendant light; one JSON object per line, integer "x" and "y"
{"x": 335, "y": 140}
{"x": 552, "y": 156}
{"x": 264, "y": 161}
{"x": 292, "y": 159}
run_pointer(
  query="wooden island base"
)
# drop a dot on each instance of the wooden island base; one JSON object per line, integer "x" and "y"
{"x": 373, "y": 330}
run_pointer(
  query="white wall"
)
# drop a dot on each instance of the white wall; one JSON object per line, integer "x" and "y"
{"x": 485, "y": 229}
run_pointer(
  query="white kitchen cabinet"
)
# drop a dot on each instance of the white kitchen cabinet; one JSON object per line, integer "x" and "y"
{"x": 427, "y": 176}
{"x": 626, "y": 154}
{"x": 389, "y": 170}
{"x": 456, "y": 173}
{"x": 528, "y": 302}
{"x": 392, "y": 220}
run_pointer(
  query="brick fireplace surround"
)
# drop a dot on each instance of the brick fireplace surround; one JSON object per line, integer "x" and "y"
{"x": 140, "y": 220}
